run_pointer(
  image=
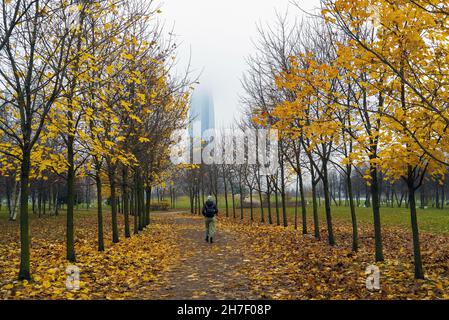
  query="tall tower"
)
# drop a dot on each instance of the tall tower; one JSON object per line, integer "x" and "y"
{"x": 202, "y": 114}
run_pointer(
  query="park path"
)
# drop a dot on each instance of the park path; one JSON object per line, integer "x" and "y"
{"x": 205, "y": 271}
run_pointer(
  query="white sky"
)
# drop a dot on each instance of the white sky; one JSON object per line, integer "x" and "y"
{"x": 217, "y": 34}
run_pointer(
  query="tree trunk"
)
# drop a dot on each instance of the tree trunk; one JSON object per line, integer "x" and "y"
{"x": 33, "y": 201}
{"x": 376, "y": 213}
{"x": 70, "y": 200}
{"x": 16, "y": 200}
{"x": 99, "y": 211}
{"x": 56, "y": 203}
{"x": 303, "y": 203}
{"x": 112, "y": 184}
{"x": 355, "y": 236}
{"x": 125, "y": 196}
{"x": 251, "y": 204}
{"x": 276, "y": 199}
{"x": 419, "y": 273}
{"x": 134, "y": 209}
{"x": 233, "y": 203}
{"x": 226, "y": 195}
{"x": 284, "y": 208}
{"x": 192, "y": 196}
{"x": 327, "y": 204}
{"x": 24, "y": 271}
{"x": 241, "y": 196}
{"x": 442, "y": 196}
{"x": 140, "y": 207}
{"x": 39, "y": 203}
{"x": 148, "y": 205}
{"x": 367, "y": 197}
{"x": 270, "y": 218}
{"x": 316, "y": 225}
{"x": 296, "y": 201}
{"x": 437, "y": 196}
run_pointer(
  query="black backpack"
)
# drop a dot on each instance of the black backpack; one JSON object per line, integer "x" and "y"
{"x": 210, "y": 210}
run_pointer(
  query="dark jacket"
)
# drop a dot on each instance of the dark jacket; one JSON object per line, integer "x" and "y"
{"x": 210, "y": 209}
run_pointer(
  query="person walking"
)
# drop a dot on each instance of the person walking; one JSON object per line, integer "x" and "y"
{"x": 209, "y": 212}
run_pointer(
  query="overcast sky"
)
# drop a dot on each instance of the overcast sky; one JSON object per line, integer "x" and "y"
{"x": 217, "y": 35}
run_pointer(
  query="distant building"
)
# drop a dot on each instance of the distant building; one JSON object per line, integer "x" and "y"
{"x": 202, "y": 114}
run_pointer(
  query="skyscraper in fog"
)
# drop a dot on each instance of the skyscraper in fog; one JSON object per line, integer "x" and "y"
{"x": 201, "y": 115}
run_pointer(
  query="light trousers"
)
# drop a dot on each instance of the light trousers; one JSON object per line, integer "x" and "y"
{"x": 210, "y": 227}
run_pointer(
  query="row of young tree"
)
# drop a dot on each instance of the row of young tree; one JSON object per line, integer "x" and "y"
{"x": 240, "y": 187}
{"x": 87, "y": 93}
{"x": 358, "y": 94}
{"x": 362, "y": 85}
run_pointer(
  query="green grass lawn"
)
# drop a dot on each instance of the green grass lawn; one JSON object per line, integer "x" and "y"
{"x": 92, "y": 210}
{"x": 430, "y": 220}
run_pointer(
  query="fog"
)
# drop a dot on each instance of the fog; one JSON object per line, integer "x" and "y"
{"x": 217, "y": 35}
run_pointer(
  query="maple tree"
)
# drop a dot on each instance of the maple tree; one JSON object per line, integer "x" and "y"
{"x": 366, "y": 93}
{"x": 33, "y": 80}
{"x": 408, "y": 45}
{"x": 73, "y": 97}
